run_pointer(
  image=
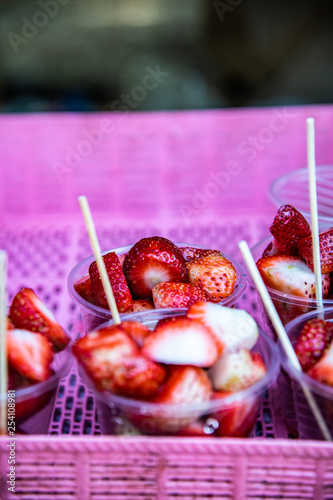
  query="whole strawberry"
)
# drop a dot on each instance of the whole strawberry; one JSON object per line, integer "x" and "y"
{"x": 288, "y": 227}
{"x": 326, "y": 251}
{"x": 314, "y": 339}
{"x": 152, "y": 261}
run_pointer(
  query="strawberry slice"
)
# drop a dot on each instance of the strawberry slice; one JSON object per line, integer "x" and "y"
{"x": 322, "y": 371}
{"x": 114, "y": 363}
{"x": 140, "y": 305}
{"x": 192, "y": 253}
{"x": 232, "y": 328}
{"x": 312, "y": 342}
{"x": 84, "y": 289}
{"x": 118, "y": 282}
{"x": 177, "y": 295}
{"x": 137, "y": 331}
{"x": 289, "y": 274}
{"x": 28, "y": 312}
{"x": 152, "y": 261}
{"x": 215, "y": 274}
{"x": 326, "y": 251}
{"x": 289, "y": 226}
{"x": 237, "y": 370}
{"x": 30, "y": 354}
{"x": 182, "y": 342}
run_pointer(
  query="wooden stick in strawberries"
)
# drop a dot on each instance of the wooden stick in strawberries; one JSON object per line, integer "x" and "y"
{"x": 314, "y": 211}
{"x": 282, "y": 334}
{"x": 3, "y": 344}
{"x": 99, "y": 259}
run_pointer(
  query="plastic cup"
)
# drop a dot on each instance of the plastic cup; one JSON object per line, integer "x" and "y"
{"x": 93, "y": 316}
{"x": 298, "y": 414}
{"x": 121, "y": 415}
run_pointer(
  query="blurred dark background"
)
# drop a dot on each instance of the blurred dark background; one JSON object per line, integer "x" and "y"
{"x": 90, "y": 55}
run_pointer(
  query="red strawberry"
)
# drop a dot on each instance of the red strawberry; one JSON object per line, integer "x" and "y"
{"x": 177, "y": 295}
{"x": 288, "y": 227}
{"x": 323, "y": 369}
{"x": 152, "y": 261}
{"x": 326, "y": 251}
{"x": 192, "y": 253}
{"x": 140, "y": 305}
{"x": 312, "y": 342}
{"x": 289, "y": 274}
{"x": 84, "y": 289}
{"x": 27, "y": 312}
{"x": 238, "y": 419}
{"x": 121, "y": 258}
{"x": 182, "y": 342}
{"x": 275, "y": 248}
{"x": 137, "y": 331}
{"x": 215, "y": 274}
{"x": 30, "y": 354}
{"x": 114, "y": 363}
{"x": 117, "y": 279}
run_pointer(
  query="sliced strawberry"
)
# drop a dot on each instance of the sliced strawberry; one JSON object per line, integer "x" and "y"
{"x": 322, "y": 371}
{"x": 276, "y": 248}
{"x": 9, "y": 324}
{"x": 290, "y": 275}
{"x": 326, "y": 251}
{"x": 182, "y": 342}
{"x": 114, "y": 363}
{"x": 177, "y": 295}
{"x": 121, "y": 258}
{"x": 152, "y": 261}
{"x": 238, "y": 419}
{"x": 289, "y": 226}
{"x": 192, "y": 253}
{"x": 30, "y": 354}
{"x": 186, "y": 384}
{"x": 84, "y": 289}
{"x": 233, "y": 328}
{"x": 118, "y": 282}
{"x": 237, "y": 370}
{"x": 140, "y": 305}
{"x": 28, "y": 312}
{"x": 137, "y": 331}
{"x": 215, "y": 274}
{"x": 312, "y": 342}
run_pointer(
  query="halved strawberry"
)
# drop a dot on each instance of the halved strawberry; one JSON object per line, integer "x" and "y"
{"x": 182, "y": 342}
{"x": 84, "y": 289}
{"x": 192, "y": 253}
{"x": 114, "y": 363}
{"x": 28, "y": 312}
{"x": 288, "y": 227}
{"x": 323, "y": 369}
{"x": 140, "y": 305}
{"x": 137, "y": 331}
{"x": 275, "y": 248}
{"x": 289, "y": 274}
{"x": 177, "y": 295}
{"x": 237, "y": 370}
{"x": 30, "y": 354}
{"x": 326, "y": 251}
{"x": 118, "y": 282}
{"x": 215, "y": 274}
{"x": 312, "y": 342}
{"x": 152, "y": 261}
{"x": 233, "y": 328}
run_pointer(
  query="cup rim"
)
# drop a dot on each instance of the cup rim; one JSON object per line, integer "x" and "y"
{"x": 105, "y": 313}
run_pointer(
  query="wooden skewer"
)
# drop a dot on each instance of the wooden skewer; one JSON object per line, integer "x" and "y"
{"x": 99, "y": 259}
{"x": 3, "y": 343}
{"x": 282, "y": 334}
{"x": 314, "y": 212}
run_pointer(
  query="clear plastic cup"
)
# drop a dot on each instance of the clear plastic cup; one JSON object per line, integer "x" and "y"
{"x": 93, "y": 316}
{"x": 121, "y": 415}
{"x": 299, "y": 414}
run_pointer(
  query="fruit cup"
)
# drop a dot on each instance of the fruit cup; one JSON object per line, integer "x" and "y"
{"x": 297, "y": 412}
{"x": 93, "y": 315}
{"x": 232, "y": 414}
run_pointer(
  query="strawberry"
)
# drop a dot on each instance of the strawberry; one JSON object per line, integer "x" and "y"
{"x": 289, "y": 226}
{"x": 140, "y": 305}
{"x": 30, "y": 354}
{"x": 289, "y": 274}
{"x": 84, "y": 289}
{"x": 312, "y": 342}
{"x": 237, "y": 370}
{"x": 215, "y": 274}
{"x": 121, "y": 258}
{"x": 192, "y": 253}
{"x": 326, "y": 251}
{"x": 137, "y": 331}
{"x": 232, "y": 328}
{"x": 177, "y": 295}
{"x": 152, "y": 261}
{"x": 118, "y": 282}
{"x": 27, "y": 312}
{"x": 114, "y": 363}
{"x": 182, "y": 342}
{"x": 322, "y": 371}
{"x": 275, "y": 248}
